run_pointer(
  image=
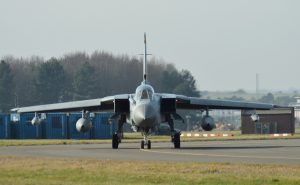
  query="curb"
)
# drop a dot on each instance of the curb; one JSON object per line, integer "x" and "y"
{"x": 282, "y": 135}
{"x": 227, "y": 135}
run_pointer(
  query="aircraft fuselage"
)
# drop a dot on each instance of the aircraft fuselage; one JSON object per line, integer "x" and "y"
{"x": 144, "y": 109}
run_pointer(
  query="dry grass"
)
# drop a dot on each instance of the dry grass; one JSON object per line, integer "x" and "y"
{"x": 28, "y": 142}
{"x": 24, "y": 170}
{"x": 136, "y": 137}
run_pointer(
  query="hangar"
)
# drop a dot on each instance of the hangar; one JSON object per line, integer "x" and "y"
{"x": 276, "y": 121}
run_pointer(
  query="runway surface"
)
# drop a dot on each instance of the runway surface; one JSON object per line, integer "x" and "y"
{"x": 250, "y": 151}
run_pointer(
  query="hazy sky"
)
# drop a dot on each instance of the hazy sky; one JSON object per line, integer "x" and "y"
{"x": 223, "y": 43}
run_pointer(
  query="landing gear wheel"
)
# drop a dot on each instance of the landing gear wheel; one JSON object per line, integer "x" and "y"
{"x": 115, "y": 141}
{"x": 149, "y": 144}
{"x": 142, "y": 144}
{"x": 176, "y": 140}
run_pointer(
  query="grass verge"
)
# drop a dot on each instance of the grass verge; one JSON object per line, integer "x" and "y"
{"x": 135, "y": 138}
{"x": 26, "y": 170}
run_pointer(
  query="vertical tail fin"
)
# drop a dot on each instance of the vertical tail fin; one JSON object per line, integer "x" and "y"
{"x": 145, "y": 60}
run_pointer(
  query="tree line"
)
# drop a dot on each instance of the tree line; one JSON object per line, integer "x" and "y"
{"x": 284, "y": 100}
{"x": 79, "y": 76}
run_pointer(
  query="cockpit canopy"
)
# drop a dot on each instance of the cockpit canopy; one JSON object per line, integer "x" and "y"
{"x": 144, "y": 92}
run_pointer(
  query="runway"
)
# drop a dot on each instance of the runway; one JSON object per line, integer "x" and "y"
{"x": 249, "y": 151}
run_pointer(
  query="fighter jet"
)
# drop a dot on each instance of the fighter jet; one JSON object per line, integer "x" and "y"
{"x": 144, "y": 110}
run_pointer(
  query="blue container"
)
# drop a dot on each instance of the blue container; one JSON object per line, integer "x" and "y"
{"x": 5, "y": 126}
{"x": 55, "y": 126}
{"x": 72, "y": 132}
{"x": 14, "y": 130}
{"x": 102, "y": 129}
{"x": 25, "y": 130}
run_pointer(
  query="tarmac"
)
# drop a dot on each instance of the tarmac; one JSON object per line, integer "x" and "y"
{"x": 279, "y": 151}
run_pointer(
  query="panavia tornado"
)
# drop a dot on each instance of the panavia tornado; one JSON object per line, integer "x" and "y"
{"x": 144, "y": 110}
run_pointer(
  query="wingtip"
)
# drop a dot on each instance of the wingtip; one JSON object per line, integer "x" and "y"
{"x": 14, "y": 110}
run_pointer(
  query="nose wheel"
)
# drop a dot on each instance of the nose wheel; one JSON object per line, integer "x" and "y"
{"x": 143, "y": 144}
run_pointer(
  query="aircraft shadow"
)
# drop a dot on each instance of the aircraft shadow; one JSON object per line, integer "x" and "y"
{"x": 120, "y": 148}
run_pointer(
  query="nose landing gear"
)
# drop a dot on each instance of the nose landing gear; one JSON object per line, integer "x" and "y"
{"x": 148, "y": 144}
{"x": 146, "y": 141}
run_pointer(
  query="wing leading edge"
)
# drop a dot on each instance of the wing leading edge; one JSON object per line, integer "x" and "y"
{"x": 184, "y": 102}
{"x": 101, "y": 104}
{"x": 120, "y": 103}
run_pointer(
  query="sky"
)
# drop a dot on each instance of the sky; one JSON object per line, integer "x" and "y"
{"x": 223, "y": 43}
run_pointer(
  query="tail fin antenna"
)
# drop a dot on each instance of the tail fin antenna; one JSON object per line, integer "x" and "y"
{"x": 145, "y": 60}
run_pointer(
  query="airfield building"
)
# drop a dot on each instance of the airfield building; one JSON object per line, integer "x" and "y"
{"x": 297, "y": 110}
{"x": 281, "y": 120}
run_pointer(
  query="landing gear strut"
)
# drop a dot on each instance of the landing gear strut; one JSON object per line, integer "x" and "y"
{"x": 117, "y": 136}
{"x": 115, "y": 141}
{"x": 175, "y": 136}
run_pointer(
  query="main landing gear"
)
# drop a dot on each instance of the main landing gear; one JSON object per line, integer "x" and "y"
{"x": 115, "y": 141}
{"x": 175, "y": 136}
{"x": 176, "y": 140}
{"x": 117, "y": 136}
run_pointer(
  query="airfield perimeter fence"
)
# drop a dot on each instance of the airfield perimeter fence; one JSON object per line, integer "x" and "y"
{"x": 55, "y": 126}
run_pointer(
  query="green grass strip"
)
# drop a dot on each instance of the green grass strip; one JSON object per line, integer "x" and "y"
{"x": 26, "y": 170}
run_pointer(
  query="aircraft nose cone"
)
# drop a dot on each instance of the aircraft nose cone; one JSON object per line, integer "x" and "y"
{"x": 144, "y": 113}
